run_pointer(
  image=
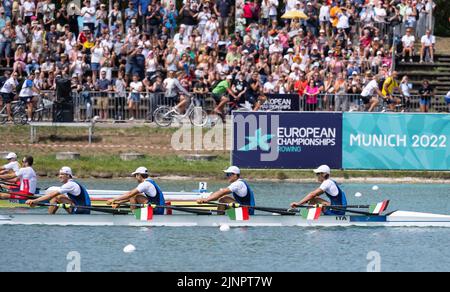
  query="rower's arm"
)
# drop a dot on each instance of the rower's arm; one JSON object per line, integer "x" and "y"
{"x": 125, "y": 197}
{"x": 217, "y": 195}
{"x": 47, "y": 197}
{"x": 311, "y": 196}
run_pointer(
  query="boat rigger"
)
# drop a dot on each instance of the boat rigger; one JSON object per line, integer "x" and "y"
{"x": 394, "y": 219}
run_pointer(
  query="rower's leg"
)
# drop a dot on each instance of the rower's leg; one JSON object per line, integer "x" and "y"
{"x": 61, "y": 199}
{"x": 224, "y": 200}
{"x": 139, "y": 199}
{"x": 4, "y": 196}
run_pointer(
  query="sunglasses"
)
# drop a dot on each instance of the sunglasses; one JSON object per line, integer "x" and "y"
{"x": 229, "y": 174}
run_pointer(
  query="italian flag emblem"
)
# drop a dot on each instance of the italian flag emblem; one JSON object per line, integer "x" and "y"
{"x": 238, "y": 214}
{"x": 144, "y": 214}
{"x": 311, "y": 213}
{"x": 378, "y": 208}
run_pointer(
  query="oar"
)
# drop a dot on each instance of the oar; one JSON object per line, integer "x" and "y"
{"x": 67, "y": 206}
{"x": 176, "y": 208}
{"x": 281, "y": 211}
{"x": 8, "y": 184}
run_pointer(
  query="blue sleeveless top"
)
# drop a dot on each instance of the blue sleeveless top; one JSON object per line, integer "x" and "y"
{"x": 339, "y": 200}
{"x": 156, "y": 200}
{"x": 81, "y": 200}
{"x": 248, "y": 200}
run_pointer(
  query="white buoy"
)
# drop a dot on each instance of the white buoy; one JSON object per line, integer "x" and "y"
{"x": 375, "y": 188}
{"x": 129, "y": 248}
{"x": 224, "y": 227}
{"x": 358, "y": 194}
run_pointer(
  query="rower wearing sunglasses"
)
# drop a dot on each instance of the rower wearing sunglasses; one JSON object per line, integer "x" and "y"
{"x": 328, "y": 187}
{"x": 237, "y": 192}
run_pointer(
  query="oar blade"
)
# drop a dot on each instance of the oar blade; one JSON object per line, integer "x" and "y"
{"x": 311, "y": 213}
{"x": 379, "y": 208}
{"x": 144, "y": 214}
{"x": 238, "y": 214}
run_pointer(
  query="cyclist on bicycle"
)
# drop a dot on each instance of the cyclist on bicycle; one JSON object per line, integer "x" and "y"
{"x": 370, "y": 92}
{"x": 27, "y": 93}
{"x": 219, "y": 94}
{"x": 8, "y": 92}
{"x": 173, "y": 88}
{"x": 389, "y": 86}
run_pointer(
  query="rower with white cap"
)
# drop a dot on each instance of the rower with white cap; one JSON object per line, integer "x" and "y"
{"x": 147, "y": 192}
{"x": 27, "y": 181}
{"x": 238, "y": 188}
{"x": 328, "y": 187}
{"x": 71, "y": 192}
{"x": 8, "y": 171}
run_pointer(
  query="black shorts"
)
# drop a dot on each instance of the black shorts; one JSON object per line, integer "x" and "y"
{"x": 173, "y": 100}
{"x": 7, "y": 97}
{"x": 26, "y": 99}
{"x": 366, "y": 99}
{"x": 218, "y": 97}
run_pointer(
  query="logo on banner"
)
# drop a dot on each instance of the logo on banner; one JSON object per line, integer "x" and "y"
{"x": 258, "y": 140}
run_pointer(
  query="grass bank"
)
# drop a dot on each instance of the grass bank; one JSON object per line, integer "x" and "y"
{"x": 102, "y": 158}
{"x": 111, "y": 166}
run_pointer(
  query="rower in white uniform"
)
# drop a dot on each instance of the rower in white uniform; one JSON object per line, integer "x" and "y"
{"x": 28, "y": 181}
{"x": 147, "y": 192}
{"x": 239, "y": 190}
{"x": 8, "y": 171}
{"x": 328, "y": 187}
{"x": 71, "y": 192}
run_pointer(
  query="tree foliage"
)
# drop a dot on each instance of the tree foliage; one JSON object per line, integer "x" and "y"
{"x": 442, "y": 14}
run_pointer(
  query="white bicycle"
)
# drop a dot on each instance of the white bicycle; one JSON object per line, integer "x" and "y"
{"x": 164, "y": 116}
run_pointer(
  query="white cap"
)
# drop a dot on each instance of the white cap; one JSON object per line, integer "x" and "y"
{"x": 141, "y": 170}
{"x": 323, "y": 169}
{"x": 233, "y": 169}
{"x": 11, "y": 155}
{"x": 66, "y": 170}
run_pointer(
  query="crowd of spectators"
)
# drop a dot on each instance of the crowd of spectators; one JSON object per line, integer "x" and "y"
{"x": 232, "y": 49}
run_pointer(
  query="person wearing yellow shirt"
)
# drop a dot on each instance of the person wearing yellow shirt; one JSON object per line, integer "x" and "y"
{"x": 389, "y": 86}
{"x": 334, "y": 12}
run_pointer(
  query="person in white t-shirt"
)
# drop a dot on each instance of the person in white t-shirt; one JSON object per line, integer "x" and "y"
{"x": 370, "y": 93}
{"x": 147, "y": 192}
{"x": 8, "y": 171}
{"x": 328, "y": 187}
{"x": 408, "y": 45}
{"x": 237, "y": 192}
{"x": 136, "y": 87}
{"x": 71, "y": 193}
{"x": 428, "y": 41}
{"x": 28, "y": 181}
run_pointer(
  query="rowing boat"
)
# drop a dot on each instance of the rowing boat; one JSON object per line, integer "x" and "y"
{"x": 394, "y": 219}
{"x": 99, "y": 197}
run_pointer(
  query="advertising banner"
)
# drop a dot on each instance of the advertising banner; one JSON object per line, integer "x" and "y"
{"x": 403, "y": 141}
{"x": 282, "y": 102}
{"x": 287, "y": 140}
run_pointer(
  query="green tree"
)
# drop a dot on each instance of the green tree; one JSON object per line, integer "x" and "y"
{"x": 442, "y": 15}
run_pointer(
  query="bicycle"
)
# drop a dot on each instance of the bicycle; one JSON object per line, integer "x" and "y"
{"x": 15, "y": 112}
{"x": 19, "y": 111}
{"x": 165, "y": 115}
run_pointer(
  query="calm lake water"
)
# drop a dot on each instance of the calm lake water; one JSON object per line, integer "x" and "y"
{"x": 261, "y": 249}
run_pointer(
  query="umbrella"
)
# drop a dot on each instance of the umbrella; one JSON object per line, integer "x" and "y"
{"x": 294, "y": 14}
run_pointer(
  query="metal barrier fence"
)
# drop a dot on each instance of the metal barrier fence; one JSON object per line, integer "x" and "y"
{"x": 109, "y": 106}
{"x": 354, "y": 102}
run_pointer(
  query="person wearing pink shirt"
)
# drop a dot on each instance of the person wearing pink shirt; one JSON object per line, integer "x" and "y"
{"x": 311, "y": 95}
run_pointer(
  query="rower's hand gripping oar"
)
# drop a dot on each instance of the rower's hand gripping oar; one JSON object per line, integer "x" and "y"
{"x": 102, "y": 210}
